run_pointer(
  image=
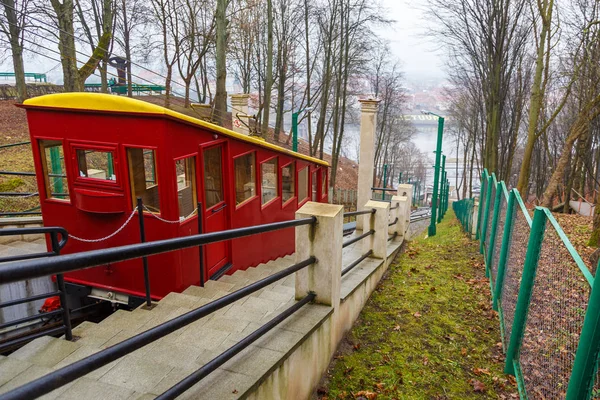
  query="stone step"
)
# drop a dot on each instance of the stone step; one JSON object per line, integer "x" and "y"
{"x": 234, "y": 280}
{"x": 45, "y": 351}
{"x": 219, "y": 285}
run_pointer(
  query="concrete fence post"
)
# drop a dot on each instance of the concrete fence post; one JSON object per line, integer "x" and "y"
{"x": 239, "y": 105}
{"x": 322, "y": 240}
{"x": 366, "y": 166}
{"x": 379, "y": 223}
{"x": 401, "y": 225}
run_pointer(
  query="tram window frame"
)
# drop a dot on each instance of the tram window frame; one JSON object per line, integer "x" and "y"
{"x": 323, "y": 182}
{"x": 306, "y": 185}
{"x": 292, "y": 175}
{"x": 314, "y": 185}
{"x": 189, "y": 164}
{"x": 275, "y": 162}
{"x": 76, "y": 148}
{"x": 156, "y": 181}
{"x": 253, "y": 180}
{"x": 46, "y": 144}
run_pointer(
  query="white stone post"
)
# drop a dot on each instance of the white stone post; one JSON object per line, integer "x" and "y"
{"x": 239, "y": 105}
{"x": 366, "y": 166}
{"x": 401, "y": 224}
{"x": 379, "y": 223}
{"x": 406, "y": 190}
{"x": 322, "y": 240}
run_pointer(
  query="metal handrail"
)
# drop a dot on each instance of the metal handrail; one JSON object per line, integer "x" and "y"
{"x": 5, "y": 146}
{"x": 222, "y": 358}
{"x": 356, "y": 239}
{"x": 78, "y": 261}
{"x": 392, "y": 237}
{"x": 394, "y": 222}
{"x": 396, "y": 206}
{"x": 384, "y": 189}
{"x": 51, "y": 230}
{"x": 355, "y": 263}
{"x": 19, "y": 213}
{"x": 363, "y": 212}
{"x": 69, "y": 373}
{"x": 17, "y": 173}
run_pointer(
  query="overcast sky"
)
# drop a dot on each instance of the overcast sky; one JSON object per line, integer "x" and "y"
{"x": 407, "y": 37}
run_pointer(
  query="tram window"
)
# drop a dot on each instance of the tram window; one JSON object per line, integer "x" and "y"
{"x": 213, "y": 176}
{"x": 53, "y": 165}
{"x": 245, "y": 178}
{"x": 314, "y": 186}
{"x": 323, "y": 182}
{"x": 268, "y": 179}
{"x": 186, "y": 186}
{"x": 96, "y": 164}
{"x": 302, "y": 184}
{"x": 142, "y": 177}
{"x": 287, "y": 182}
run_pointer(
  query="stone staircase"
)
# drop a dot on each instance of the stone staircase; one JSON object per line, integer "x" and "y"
{"x": 151, "y": 370}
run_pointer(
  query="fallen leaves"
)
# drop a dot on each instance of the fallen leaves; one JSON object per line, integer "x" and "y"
{"x": 365, "y": 394}
{"x": 417, "y": 315}
{"x": 478, "y": 386}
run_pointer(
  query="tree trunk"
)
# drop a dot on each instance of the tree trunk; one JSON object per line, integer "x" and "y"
{"x": 535, "y": 101}
{"x": 269, "y": 71}
{"x": 14, "y": 36}
{"x": 220, "y": 108}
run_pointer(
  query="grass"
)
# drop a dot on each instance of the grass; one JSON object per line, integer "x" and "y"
{"x": 428, "y": 330}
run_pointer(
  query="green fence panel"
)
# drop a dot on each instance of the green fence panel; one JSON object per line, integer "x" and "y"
{"x": 484, "y": 219}
{"x": 481, "y": 203}
{"x": 497, "y": 230}
{"x": 488, "y": 212}
{"x": 534, "y": 246}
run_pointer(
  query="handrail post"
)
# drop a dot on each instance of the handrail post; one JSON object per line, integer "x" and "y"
{"x": 532, "y": 256}
{"x": 400, "y": 227}
{"x": 378, "y": 222}
{"x": 60, "y": 282}
{"x": 322, "y": 240}
{"x": 201, "y": 247}
{"x": 140, "y": 207}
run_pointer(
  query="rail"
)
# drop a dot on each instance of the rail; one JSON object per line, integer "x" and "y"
{"x": 356, "y": 262}
{"x": 5, "y": 146}
{"x": 394, "y": 222}
{"x": 64, "y": 311}
{"x": 362, "y": 212}
{"x": 357, "y": 238}
{"x": 33, "y": 268}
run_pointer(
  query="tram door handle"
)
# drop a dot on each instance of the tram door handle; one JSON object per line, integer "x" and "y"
{"x": 219, "y": 209}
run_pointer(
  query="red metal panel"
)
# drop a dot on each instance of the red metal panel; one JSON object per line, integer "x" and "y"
{"x": 91, "y": 212}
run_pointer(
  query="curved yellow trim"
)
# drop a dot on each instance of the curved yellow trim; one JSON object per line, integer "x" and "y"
{"x": 113, "y": 103}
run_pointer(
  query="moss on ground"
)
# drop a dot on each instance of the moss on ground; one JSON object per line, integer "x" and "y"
{"x": 428, "y": 330}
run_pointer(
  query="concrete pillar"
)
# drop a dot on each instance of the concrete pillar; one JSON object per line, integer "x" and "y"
{"x": 407, "y": 191}
{"x": 401, "y": 225}
{"x": 379, "y": 223}
{"x": 239, "y": 105}
{"x": 323, "y": 241}
{"x": 366, "y": 165}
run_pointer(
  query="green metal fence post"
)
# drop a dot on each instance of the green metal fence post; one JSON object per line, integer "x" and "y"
{"x": 504, "y": 250}
{"x": 586, "y": 358}
{"x": 486, "y": 213}
{"x": 441, "y": 189}
{"x": 494, "y": 227}
{"x": 479, "y": 211}
{"x": 532, "y": 256}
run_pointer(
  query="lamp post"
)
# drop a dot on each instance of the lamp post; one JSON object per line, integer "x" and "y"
{"x": 295, "y": 127}
{"x": 436, "y": 176}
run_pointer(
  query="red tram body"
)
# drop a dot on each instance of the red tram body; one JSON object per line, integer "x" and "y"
{"x": 95, "y": 154}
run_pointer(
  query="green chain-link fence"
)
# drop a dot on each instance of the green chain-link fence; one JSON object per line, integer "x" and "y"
{"x": 548, "y": 305}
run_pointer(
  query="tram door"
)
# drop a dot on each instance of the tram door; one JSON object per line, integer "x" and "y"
{"x": 215, "y": 207}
